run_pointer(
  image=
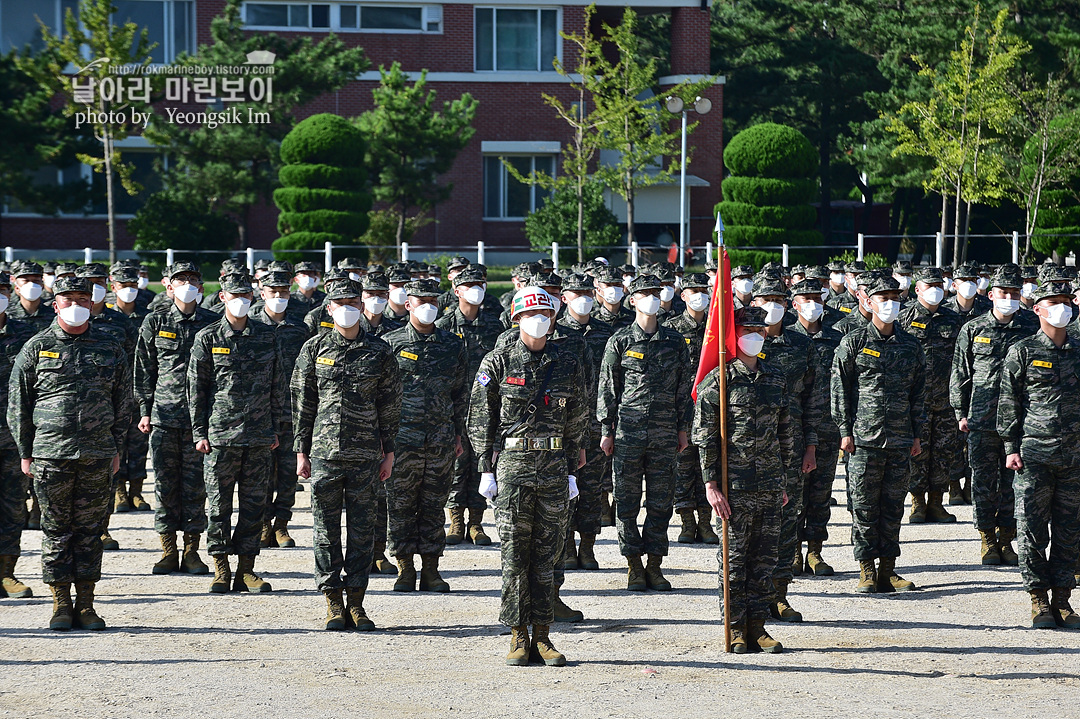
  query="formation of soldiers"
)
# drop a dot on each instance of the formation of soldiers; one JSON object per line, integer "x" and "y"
{"x": 566, "y": 404}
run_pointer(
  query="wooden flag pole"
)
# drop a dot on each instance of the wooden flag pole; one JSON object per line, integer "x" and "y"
{"x": 722, "y": 404}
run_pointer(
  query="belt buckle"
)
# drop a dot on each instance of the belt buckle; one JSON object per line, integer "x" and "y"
{"x": 537, "y": 443}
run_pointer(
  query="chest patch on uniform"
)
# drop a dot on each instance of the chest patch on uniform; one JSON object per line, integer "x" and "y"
{"x": 326, "y": 324}
{"x": 220, "y": 350}
{"x": 409, "y": 355}
{"x": 761, "y": 355}
{"x": 483, "y": 378}
{"x": 50, "y": 355}
{"x": 1040, "y": 363}
{"x": 635, "y": 355}
{"x": 983, "y": 340}
{"x": 920, "y": 325}
{"x": 324, "y": 360}
{"x": 872, "y": 353}
{"x": 519, "y": 381}
{"x": 167, "y": 335}
{"x": 687, "y": 340}
{"x": 845, "y": 310}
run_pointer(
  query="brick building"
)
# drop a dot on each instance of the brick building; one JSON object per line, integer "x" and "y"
{"x": 500, "y": 53}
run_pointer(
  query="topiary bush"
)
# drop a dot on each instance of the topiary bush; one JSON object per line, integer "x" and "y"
{"x": 323, "y": 197}
{"x": 1059, "y": 215}
{"x": 767, "y": 197}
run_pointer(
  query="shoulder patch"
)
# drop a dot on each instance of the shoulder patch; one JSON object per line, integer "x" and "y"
{"x": 1040, "y": 363}
{"x": 872, "y": 353}
{"x": 220, "y": 350}
{"x": 635, "y": 355}
{"x": 982, "y": 340}
{"x": 50, "y": 355}
{"x": 324, "y": 360}
{"x": 484, "y": 379}
{"x": 167, "y": 335}
{"x": 409, "y": 355}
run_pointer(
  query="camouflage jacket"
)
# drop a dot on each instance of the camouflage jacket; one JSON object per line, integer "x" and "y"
{"x": 596, "y": 334}
{"x": 937, "y": 333}
{"x": 1039, "y": 410}
{"x": 825, "y": 340}
{"x": 160, "y": 302}
{"x": 678, "y": 307}
{"x": 13, "y": 335}
{"x": 291, "y": 336}
{"x": 760, "y": 439}
{"x": 479, "y": 335}
{"x": 306, "y": 304}
{"x": 384, "y": 327}
{"x": 502, "y": 391}
{"x": 295, "y": 311}
{"x": 645, "y": 383}
{"x": 319, "y": 320}
{"x": 41, "y": 319}
{"x": 70, "y": 396}
{"x": 878, "y": 388}
{"x": 236, "y": 385}
{"x": 346, "y": 398}
{"x": 624, "y": 318}
{"x": 981, "y": 306}
{"x": 213, "y": 303}
{"x": 434, "y": 386}
{"x": 135, "y": 318}
{"x": 844, "y": 302}
{"x": 855, "y": 320}
{"x": 794, "y": 355}
{"x": 161, "y": 358}
{"x": 120, "y": 326}
{"x": 694, "y": 334}
{"x": 979, "y": 356}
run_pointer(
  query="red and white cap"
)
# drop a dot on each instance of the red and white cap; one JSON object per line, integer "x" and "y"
{"x": 531, "y": 298}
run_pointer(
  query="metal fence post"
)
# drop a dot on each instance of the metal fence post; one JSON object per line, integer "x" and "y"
{"x": 170, "y": 256}
{"x": 9, "y": 254}
{"x": 939, "y": 248}
{"x": 328, "y": 256}
{"x": 634, "y": 253}
{"x": 859, "y": 251}
{"x": 786, "y": 253}
{"x": 555, "y": 254}
{"x": 88, "y": 255}
{"x": 1016, "y": 248}
{"x": 404, "y": 251}
{"x": 480, "y": 252}
{"x": 250, "y": 251}
{"x": 708, "y": 251}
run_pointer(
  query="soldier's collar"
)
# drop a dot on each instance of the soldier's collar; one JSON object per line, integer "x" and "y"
{"x": 418, "y": 336}
{"x": 640, "y": 334}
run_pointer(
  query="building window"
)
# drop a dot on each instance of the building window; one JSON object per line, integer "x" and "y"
{"x": 19, "y": 25}
{"x": 344, "y": 16}
{"x": 168, "y": 24}
{"x": 506, "y": 198}
{"x": 516, "y": 39}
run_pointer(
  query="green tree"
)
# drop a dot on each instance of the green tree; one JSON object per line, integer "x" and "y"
{"x": 168, "y": 220}
{"x": 566, "y": 213}
{"x": 411, "y": 142}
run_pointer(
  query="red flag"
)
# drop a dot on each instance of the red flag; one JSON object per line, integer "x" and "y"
{"x": 722, "y": 302}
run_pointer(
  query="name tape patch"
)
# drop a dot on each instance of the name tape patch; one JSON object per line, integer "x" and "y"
{"x": 409, "y": 355}
{"x": 1040, "y": 363}
{"x": 920, "y": 325}
{"x": 635, "y": 355}
{"x": 845, "y": 310}
{"x": 761, "y": 355}
{"x": 50, "y": 355}
{"x": 220, "y": 350}
{"x": 326, "y": 324}
{"x": 983, "y": 340}
{"x": 872, "y": 353}
{"x": 519, "y": 381}
{"x": 324, "y": 360}
{"x": 167, "y": 335}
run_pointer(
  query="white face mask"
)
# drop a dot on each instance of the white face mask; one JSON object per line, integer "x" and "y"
{"x": 1058, "y": 315}
{"x": 743, "y": 286}
{"x": 426, "y": 313}
{"x": 144, "y": 282}
{"x": 345, "y": 316}
{"x": 48, "y": 280}
{"x": 556, "y": 300}
{"x": 678, "y": 282}
{"x": 825, "y": 294}
{"x": 933, "y": 295}
{"x": 238, "y": 306}
{"x": 186, "y": 293}
{"x": 983, "y": 283}
{"x": 375, "y": 305}
{"x": 74, "y": 315}
{"x": 966, "y": 289}
{"x": 1028, "y": 289}
{"x": 774, "y": 312}
{"x": 1006, "y": 306}
{"x": 613, "y": 294}
{"x": 904, "y": 280}
{"x": 887, "y": 310}
{"x": 626, "y": 280}
{"x": 751, "y": 344}
{"x": 810, "y": 311}
{"x": 535, "y": 326}
{"x": 667, "y": 293}
{"x": 30, "y": 291}
{"x": 277, "y": 305}
{"x": 948, "y": 285}
{"x": 851, "y": 285}
{"x": 307, "y": 282}
{"x": 4, "y": 301}
{"x": 97, "y": 293}
{"x": 199, "y": 297}
{"x": 837, "y": 278}
{"x": 398, "y": 295}
{"x": 474, "y": 295}
{"x": 582, "y": 305}
{"x": 127, "y": 295}
{"x": 649, "y": 304}
{"x": 354, "y": 276}
{"x": 697, "y": 301}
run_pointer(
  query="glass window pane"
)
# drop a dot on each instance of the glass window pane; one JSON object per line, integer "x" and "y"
{"x": 19, "y": 24}
{"x": 143, "y": 174}
{"x": 320, "y": 16}
{"x": 348, "y": 16}
{"x": 147, "y": 15}
{"x": 493, "y": 171}
{"x": 182, "y": 28}
{"x": 516, "y": 40}
{"x": 391, "y": 18}
{"x": 518, "y": 194}
{"x": 298, "y": 16}
{"x": 267, "y": 14}
{"x": 485, "y": 49}
{"x": 545, "y": 164}
{"x": 549, "y": 38}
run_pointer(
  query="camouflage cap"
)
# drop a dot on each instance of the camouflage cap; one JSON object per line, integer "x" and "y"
{"x": 610, "y": 276}
{"x": 352, "y": 263}
{"x": 855, "y": 267}
{"x": 546, "y": 265}
{"x": 542, "y": 279}
{"x": 710, "y": 264}
{"x": 1029, "y": 272}
{"x": 309, "y": 267}
{"x": 1052, "y": 289}
{"x": 92, "y": 270}
{"x": 696, "y": 281}
{"x": 1008, "y": 277}
{"x": 280, "y": 266}
{"x": 772, "y": 273}
{"x": 836, "y": 266}
{"x": 71, "y": 283}
{"x": 276, "y": 279}
{"x": 335, "y": 273}
{"x": 1052, "y": 273}
{"x": 26, "y": 267}
{"x": 125, "y": 274}
{"x": 457, "y": 263}
{"x": 750, "y": 317}
{"x": 817, "y": 272}
{"x": 578, "y": 282}
{"x": 469, "y": 274}
{"x": 481, "y": 268}
{"x": 930, "y": 275}
{"x": 902, "y": 267}
{"x": 423, "y": 288}
{"x": 868, "y": 277}
{"x": 665, "y": 274}
{"x": 5, "y": 279}
{"x": 398, "y": 276}
{"x": 627, "y": 269}
{"x": 413, "y": 267}
{"x": 375, "y": 282}
{"x": 742, "y": 271}
{"x": 530, "y": 298}
{"x": 882, "y": 283}
{"x": 66, "y": 268}
{"x": 49, "y": 267}
{"x": 966, "y": 271}
{"x": 644, "y": 282}
{"x": 798, "y": 270}
{"x": 808, "y": 287}
{"x": 524, "y": 269}
{"x": 343, "y": 289}
{"x": 434, "y": 270}
{"x": 232, "y": 265}
{"x": 262, "y": 264}
{"x": 767, "y": 287}
{"x": 236, "y": 283}
{"x": 179, "y": 268}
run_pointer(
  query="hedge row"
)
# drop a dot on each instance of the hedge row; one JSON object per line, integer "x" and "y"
{"x": 312, "y": 175}
{"x": 304, "y": 199}
{"x": 768, "y": 191}
{"x": 750, "y": 236}
{"x": 344, "y": 224}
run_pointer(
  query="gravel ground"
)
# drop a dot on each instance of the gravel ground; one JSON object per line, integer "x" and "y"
{"x": 958, "y": 646}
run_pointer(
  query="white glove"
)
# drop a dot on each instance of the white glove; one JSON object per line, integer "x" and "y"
{"x": 488, "y": 487}
{"x": 573, "y": 487}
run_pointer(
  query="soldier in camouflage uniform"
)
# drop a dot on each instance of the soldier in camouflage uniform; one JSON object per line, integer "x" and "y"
{"x": 1039, "y": 420}
{"x": 550, "y": 283}
{"x": 689, "y": 487}
{"x": 434, "y": 402}
{"x": 236, "y": 388}
{"x": 847, "y": 302}
{"x": 643, "y": 404}
{"x": 965, "y": 300}
{"x": 398, "y": 297}
{"x": 69, "y": 408}
{"x": 978, "y": 358}
{"x": 742, "y": 285}
{"x": 527, "y": 419}
{"x": 291, "y": 336}
{"x": 903, "y": 273}
{"x": 794, "y": 355}
{"x": 230, "y": 266}
{"x": 760, "y": 449}
{"x": 346, "y": 397}
{"x": 479, "y": 329}
{"x": 308, "y": 295}
{"x": 860, "y": 314}
{"x": 449, "y": 299}
{"x": 376, "y": 289}
{"x": 30, "y": 308}
{"x": 319, "y": 320}
{"x": 13, "y": 483}
{"x": 940, "y": 464}
{"x": 671, "y": 305}
{"x": 164, "y": 299}
{"x": 877, "y": 401}
{"x": 161, "y": 358}
{"x": 610, "y": 307}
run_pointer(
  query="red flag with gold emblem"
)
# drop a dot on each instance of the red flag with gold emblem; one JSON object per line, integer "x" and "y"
{"x": 721, "y": 320}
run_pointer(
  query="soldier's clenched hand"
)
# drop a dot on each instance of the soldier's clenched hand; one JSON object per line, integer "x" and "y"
{"x": 386, "y": 467}
{"x": 203, "y": 446}
{"x": 607, "y": 445}
{"x": 303, "y": 465}
{"x": 717, "y": 501}
{"x": 144, "y": 424}
{"x": 26, "y": 468}
{"x": 683, "y": 441}
{"x": 916, "y": 447}
{"x": 1012, "y": 462}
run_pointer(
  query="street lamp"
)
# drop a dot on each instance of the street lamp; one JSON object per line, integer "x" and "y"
{"x": 676, "y": 106}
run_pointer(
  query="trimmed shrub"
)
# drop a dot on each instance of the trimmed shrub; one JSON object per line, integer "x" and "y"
{"x": 1059, "y": 215}
{"x": 768, "y": 191}
{"x": 771, "y": 150}
{"x": 322, "y": 176}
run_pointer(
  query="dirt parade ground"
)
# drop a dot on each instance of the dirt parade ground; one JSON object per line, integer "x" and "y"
{"x": 958, "y": 647}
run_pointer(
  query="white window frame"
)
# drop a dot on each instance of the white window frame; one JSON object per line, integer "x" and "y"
{"x": 429, "y": 14}
{"x": 167, "y": 48}
{"x": 540, "y": 63}
{"x": 504, "y": 177}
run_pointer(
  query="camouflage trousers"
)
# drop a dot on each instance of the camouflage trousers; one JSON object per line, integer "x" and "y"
{"x": 530, "y": 522}
{"x": 991, "y": 482}
{"x": 1048, "y": 502}
{"x": 564, "y": 535}
{"x": 282, "y": 493}
{"x": 13, "y": 488}
{"x": 878, "y": 482}
{"x": 788, "y": 541}
{"x": 465, "y": 489}
{"x": 74, "y": 495}
{"x": 178, "y": 481}
{"x": 941, "y": 458}
{"x": 415, "y": 496}
{"x": 133, "y": 464}
{"x": 247, "y": 470}
{"x": 817, "y": 491}
{"x": 689, "y": 486}
{"x": 753, "y": 540}
{"x": 652, "y": 460}
{"x": 585, "y": 514}
{"x": 349, "y": 486}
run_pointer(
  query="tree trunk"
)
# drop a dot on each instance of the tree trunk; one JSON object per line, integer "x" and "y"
{"x": 957, "y": 249}
{"x": 109, "y": 193}
{"x": 944, "y": 222}
{"x": 967, "y": 226}
{"x": 581, "y": 219}
{"x": 629, "y": 187}
{"x": 400, "y": 236}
